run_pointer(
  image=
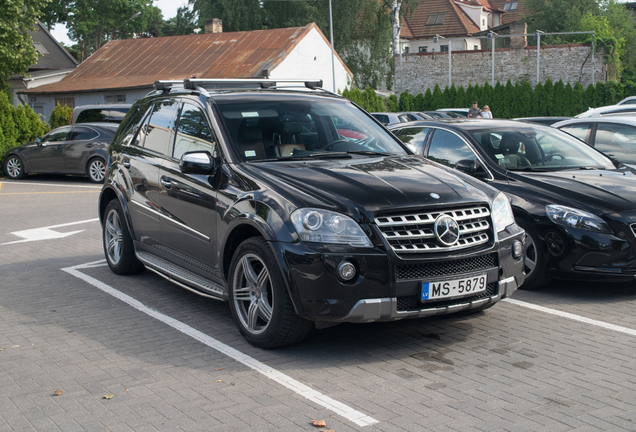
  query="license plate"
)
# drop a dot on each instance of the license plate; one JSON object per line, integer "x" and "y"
{"x": 454, "y": 288}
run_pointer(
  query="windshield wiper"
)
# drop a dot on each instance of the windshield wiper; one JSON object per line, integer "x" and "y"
{"x": 369, "y": 152}
{"x": 532, "y": 169}
{"x": 329, "y": 155}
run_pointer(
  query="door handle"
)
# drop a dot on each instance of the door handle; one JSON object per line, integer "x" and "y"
{"x": 126, "y": 163}
{"x": 165, "y": 182}
{"x": 90, "y": 145}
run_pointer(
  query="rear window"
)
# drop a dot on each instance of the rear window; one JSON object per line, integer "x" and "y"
{"x": 92, "y": 115}
{"x": 382, "y": 118}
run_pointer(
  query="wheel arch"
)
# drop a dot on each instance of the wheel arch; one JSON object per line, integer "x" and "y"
{"x": 109, "y": 193}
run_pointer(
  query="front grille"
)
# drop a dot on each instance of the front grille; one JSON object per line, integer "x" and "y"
{"x": 442, "y": 268}
{"x": 411, "y": 303}
{"x": 413, "y": 233}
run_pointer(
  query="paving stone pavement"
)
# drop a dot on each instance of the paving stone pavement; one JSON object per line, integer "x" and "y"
{"x": 507, "y": 369}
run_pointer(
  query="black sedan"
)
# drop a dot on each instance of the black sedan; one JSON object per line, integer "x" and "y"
{"x": 578, "y": 207}
{"x": 79, "y": 149}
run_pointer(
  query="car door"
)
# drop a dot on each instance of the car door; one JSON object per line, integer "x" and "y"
{"x": 81, "y": 142}
{"x": 49, "y": 156}
{"x": 582, "y": 131}
{"x": 142, "y": 160}
{"x": 188, "y": 201}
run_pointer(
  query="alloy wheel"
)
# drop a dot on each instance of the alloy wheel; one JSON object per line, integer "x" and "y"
{"x": 113, "y": 237}
{"x": 252, "y": 293}
{"x": 531, "y": 255}
{"x": 97, "y": 170}
{"x": 14, "y": 167}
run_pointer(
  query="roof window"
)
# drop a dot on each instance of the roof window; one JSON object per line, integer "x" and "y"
{"x": 40, "y": 48}
{"x": 511, "y": 6}
{"x": 436, "y": 18}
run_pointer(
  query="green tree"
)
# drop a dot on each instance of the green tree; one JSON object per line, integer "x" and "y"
{"x": 419, "y": 102}
{"x": 568, "y": 95}
{"x": 588, "y": 97}
{"x": 428, "y": 100}
{"x": 470, "y": 97}
{"x": 599, "y": 94}
{"x": 183, "y": 23}
{"x": 452, "y": 96}
{"x": 487, "y": 94}
{"x": 392, "y": 103}
{"x": 8, "y": 132}
{"x": 239, "y": 15}
{"x": 578, "y": 100}
{"x": 558, "y": 93}
{"x": 60, "y": 116}
{"x": 507, "y": 110}
{"x": 548, "y": 97}
{"x": 613, "y": 92}
{"x": 17, "y": 53}
{"x": 539, "y": 106}
{"x": 436, "y": 100}
{"x": 460, "y": 98}
{"x": 498, "y": 100}
{"x": 477, "y": 94}
{"x": 524, "y": 99}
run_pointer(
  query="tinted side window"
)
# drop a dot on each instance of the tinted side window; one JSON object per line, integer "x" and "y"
{"x": 92, "y": 115}
{"x": 581, "y": 131}
{"x": 617, "y": 141}
{"x": 116, "y": 115}
{"x": 83, "y": 133}
{"x": 193, "y": 132}
{"x": 414, "y": 138}
{"x": 160, "y": 130}
{"x": 382, "y": 118}
{"x": 448, "y": 149}
{"x": 130, "y": 124}
{"x": 57, "y": 135}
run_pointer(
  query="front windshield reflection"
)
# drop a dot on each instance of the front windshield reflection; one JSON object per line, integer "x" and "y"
{"x": 538, "y": 149}
{"x": 289, "y": 129}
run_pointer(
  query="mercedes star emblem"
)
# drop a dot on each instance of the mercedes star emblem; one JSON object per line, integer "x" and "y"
{"x": 446, "y": 230}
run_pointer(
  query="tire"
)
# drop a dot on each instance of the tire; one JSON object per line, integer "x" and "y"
{"x": 14, "y": 168}
{"x": 96, "y": 170}
{"x": 118, "y": 243}
{"x": 259, "y": 301}
{"x": 536, "y": 257}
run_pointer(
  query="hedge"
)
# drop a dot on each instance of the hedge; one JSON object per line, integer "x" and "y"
{"x": 506, "y": 100}
{"x": 17, "y": 126}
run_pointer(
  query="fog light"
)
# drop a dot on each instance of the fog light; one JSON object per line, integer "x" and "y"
{"x": 346, "y": 271}
{"x": 517, "y": 249}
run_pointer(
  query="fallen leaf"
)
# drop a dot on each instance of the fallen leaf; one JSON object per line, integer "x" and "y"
{"x": 57, "y": 392}
{"x": 219, "y": 368}
{"x": 219, "y": 381}
{"x": 15, "y": 346}
{"x": 319, "y": 423}
{"x": 325, "y": 430}
{"x": 109, "y": 396}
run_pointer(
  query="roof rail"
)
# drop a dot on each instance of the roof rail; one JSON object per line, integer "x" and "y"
{"x": 232, "y": 83}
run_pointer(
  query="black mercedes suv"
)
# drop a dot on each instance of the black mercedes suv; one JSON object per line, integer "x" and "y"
{"x": 300, "y": 209}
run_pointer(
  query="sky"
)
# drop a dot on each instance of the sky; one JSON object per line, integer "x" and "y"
{"x": 168, "y": 9}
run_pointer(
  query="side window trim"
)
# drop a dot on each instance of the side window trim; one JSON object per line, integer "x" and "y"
{"x": 90, "y": 129}
{"x": 206, "y": 116}
{"x": 479, "y": 158}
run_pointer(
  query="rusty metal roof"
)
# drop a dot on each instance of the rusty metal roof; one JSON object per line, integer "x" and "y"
{"x": 134, "y": 63}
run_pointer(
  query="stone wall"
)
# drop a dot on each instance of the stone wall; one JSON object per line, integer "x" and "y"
{"x": 570, "y": 63}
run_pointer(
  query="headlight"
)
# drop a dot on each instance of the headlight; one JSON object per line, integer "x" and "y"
{"x": 502, "y": 215}
{"x": 575, "y": 218}
{"x": 324, "y": 226}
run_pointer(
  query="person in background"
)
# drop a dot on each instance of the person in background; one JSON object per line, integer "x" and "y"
{"x": 474, "y": 112}
{"x": 486, "y": 113}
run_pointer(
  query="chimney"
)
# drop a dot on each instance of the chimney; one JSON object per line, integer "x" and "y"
{"x": 214, "y": 26}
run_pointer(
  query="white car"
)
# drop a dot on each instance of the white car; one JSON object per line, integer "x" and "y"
{"x": 630, "y": 100}
{"x": 614, "y": 136}
{"x": 610, "y": 110}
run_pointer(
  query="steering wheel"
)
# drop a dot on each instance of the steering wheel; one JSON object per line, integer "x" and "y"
{"x": 555, "y": 154}
{"x": 332, "y": 144}
{"x": 523, "y": 161}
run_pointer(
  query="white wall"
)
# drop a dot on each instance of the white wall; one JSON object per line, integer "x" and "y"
{"x": 467, "y": 44}
{"x": 311, "y": 59}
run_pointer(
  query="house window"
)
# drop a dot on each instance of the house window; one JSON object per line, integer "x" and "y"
{"x": 115, "y": 99}
{"x": 436, "y": 19}
{"x": 476, "y": 47}
{"x": 511, "y": 6}
{"x": 40, "y": 48}
{"x": 443, "y": 48}
{"x": 423, "y": 49}
{"x": 483, "y": 22}
{"x": 406, "y": 50}
{"x": 497, "y": 20}
{"x": 68, "y": 101}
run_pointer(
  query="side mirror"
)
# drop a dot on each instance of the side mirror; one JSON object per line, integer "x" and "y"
{"x": 466, "y": 166}
{"x": 38, "y": 140}
{"x": 197, "y": 162}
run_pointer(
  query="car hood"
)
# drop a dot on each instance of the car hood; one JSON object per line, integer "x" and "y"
{"x": 364, "y": 185}
{"x": 605, "y": 191}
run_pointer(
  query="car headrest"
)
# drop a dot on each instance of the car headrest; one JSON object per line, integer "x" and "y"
{"x": 249, "y": 134}
{"x": 510, "y": 143}
{"x": 292, "y": 128}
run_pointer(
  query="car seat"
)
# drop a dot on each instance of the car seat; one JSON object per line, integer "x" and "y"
{"x": 250, "y": 140}
{"x": 509, "y": 147}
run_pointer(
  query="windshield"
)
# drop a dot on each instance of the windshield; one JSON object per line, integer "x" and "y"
{"x": 530, "y": 148}
{"x": 302, "y": 128}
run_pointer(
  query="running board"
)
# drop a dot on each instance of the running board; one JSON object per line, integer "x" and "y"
{"x": 181, "y": 277}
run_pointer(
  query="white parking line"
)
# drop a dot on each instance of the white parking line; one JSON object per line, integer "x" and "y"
{"x": 339, "y": 408}
{"x": 46, "y": 233}
{"x": 26, "y": 183}
{"x": 574, "y": 317}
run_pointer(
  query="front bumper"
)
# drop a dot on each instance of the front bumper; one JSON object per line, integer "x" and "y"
{"x": 388, "y": 287}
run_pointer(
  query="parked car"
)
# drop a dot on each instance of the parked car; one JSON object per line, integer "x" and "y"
{"x": 630, "y": 100}
{"x": 420, "y": 115}
{"x": 455, "y": 112}
{"x": 547, "y": 120}
{"x": 252, "y": 196}
{"x": 439, "y": 115}
{"x": 608, "y": 111}
{"x": 79, "y": 149}
{"x": 105, "y": 113}
{"x": 614, "y": 136}
{"x": 390, "y": 118}
{"x": 577, "y": 207}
